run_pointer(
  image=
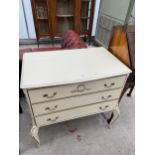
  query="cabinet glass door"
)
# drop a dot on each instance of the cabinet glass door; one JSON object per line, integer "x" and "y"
{"x": 64, "y": 16}
{"x": 41, "y": 12}
{"x": 86, "y": 9}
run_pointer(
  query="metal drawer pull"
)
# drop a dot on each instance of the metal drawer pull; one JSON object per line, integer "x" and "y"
{"x": 48, "y": 108}
{"x": 80, "y": 88}
{"x": 101, "y": 108}
{"x": 109, "y": 96}
{"x": 47, "y": 96}
{"x": 49, "y": 119}
{"x": 109, "y": 86}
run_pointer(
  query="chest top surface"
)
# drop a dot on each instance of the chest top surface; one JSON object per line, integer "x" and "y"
{"x": 42, "y": 69}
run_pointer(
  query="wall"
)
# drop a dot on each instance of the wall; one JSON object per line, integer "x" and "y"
{"x": 22, "y": 25}
{"x": 132, "y": 17}
{"x": 97, "y": 5}
{"x": 112, "y": 13}
{"x": 115, "y": 9}
{"x": 29, "y": 32}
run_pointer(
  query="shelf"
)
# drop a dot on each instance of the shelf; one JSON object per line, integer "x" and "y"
{"x": 85, "y": 17}
{"x": 64, "y": 16}
{"x": 85, "y": 0}
{"x": 44, "y": 34}
{"x": 42, "y": 18}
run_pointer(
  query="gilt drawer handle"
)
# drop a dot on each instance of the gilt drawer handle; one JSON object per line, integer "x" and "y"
{"x": 49, "y": 109}
{"x": 80, "y": 88}
{"x": 109, "y": 96}
{"x": 101, "y": 108}
{"x": 50, "y": 96}
{"x": 49, "y": 119}
{"x": 109, "y": 86}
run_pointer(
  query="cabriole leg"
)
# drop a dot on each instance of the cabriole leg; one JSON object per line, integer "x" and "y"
{"x": 34, "y": 133}
{"x": 114, "y": 116}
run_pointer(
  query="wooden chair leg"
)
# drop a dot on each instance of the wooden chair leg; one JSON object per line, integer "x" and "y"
{"x": 124, "y": 90}
{"x": 20, "y": 109}
{"x": 131, "y": 89}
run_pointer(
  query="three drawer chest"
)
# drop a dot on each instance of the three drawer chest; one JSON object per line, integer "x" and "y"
{"x": 69, "y": 84}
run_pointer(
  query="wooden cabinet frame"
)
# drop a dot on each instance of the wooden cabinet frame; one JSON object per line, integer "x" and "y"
{"x": 55, "y": 22}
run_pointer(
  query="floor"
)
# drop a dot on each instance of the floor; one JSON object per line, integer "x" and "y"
{"x": 85, "y": 136}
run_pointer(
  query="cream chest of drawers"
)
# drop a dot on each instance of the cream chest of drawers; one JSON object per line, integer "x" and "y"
{"x": 70, "y": 84}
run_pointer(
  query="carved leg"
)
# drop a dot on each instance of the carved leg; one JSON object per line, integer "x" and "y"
{"x": 114, "y": 116}
{"x": 34, "y": 133}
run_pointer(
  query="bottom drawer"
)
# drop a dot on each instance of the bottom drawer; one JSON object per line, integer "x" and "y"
{"x": 75, "y": 113}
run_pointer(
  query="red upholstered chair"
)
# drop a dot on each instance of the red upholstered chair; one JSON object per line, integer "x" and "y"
{"x": 71, "y": 40}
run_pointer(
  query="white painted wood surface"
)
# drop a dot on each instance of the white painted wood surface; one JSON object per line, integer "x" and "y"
{"x": 58, "y": 92}
{"x": 42, "y": 69}
{"x": 76, "y": 113}
{"x": 74, "y": 102}
{"x": 69, "y": 84}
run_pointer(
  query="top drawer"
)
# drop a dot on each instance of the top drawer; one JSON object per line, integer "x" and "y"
{"x": 57, "y": 92}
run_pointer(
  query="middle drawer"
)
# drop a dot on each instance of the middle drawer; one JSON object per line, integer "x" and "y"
{"x": 72, "y": 102}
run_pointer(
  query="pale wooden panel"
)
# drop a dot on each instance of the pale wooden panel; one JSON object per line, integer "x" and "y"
{"x": 118, "y": 45}
{"x": 41, "y": 69}
{"x": 57, "y": 105}
{"x": 75, "y": 113}
{"x": 52, "y": 93}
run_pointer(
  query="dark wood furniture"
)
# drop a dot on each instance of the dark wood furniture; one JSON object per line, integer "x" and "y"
{"x": 53, "y": 17}
{"x": 122, "y": 45}
{"x": 20, "y": 109}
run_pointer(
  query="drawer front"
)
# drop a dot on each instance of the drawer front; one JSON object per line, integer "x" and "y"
{"x": 75, "y": 113}
{"x": 62, "y": 104}
{"x": 52, "y": 93}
